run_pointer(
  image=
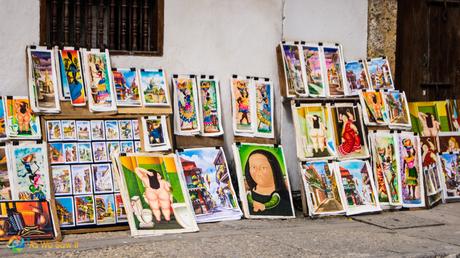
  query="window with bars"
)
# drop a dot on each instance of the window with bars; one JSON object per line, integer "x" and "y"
{"x": 125, "y": 27}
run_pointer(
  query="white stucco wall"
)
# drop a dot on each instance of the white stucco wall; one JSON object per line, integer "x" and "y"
{"x": 222, "y": 38}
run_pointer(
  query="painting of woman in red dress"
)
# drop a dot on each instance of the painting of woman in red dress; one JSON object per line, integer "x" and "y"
{"x": 350, "y": 140}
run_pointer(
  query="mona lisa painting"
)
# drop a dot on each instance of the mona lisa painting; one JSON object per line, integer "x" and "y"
{"x": 263, "y": 181}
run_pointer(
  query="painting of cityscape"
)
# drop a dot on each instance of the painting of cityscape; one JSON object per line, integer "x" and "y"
{"x": 209, "y": 184}
{"x": 450, "y": 175}
{"x": 357, "y": 187}
{"x": 320, "y": 182}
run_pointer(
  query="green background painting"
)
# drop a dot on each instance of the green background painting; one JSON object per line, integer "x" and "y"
{"x": 437, "y": 108}
{"x": 136, "y": 188}
{"x": 245, "y": 150}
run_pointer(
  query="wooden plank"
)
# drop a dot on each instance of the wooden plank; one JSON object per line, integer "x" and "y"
{"x": 69, "y": 111}
{"x": 257, "y": 140}
{"x": 197, "y": 141}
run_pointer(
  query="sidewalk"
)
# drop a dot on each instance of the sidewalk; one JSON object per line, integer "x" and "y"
{"x": 434, "y": 232}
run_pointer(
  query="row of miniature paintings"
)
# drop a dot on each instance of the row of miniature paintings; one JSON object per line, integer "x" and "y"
{"x": 87, "y": 130}
{"x": 85, "y": 210}
{"x": 197, "y": 107}
{"x": 319, "y": 70}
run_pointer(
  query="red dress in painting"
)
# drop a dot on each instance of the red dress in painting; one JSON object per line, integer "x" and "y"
{"x": 351, "y": 141}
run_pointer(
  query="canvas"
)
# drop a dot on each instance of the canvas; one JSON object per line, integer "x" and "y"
{"x": 105, "y": 209}
{"x": 102, "y": 178}
{"x": 97, "y": 130}
{"x": 314, "y": 131}
{"x": 99, "y": 84}
{"x": 100, "y": 152}
{"x": 70, "y": 152}
{"x": 263, "y": 181}
{"x": 71, "y": 76}
{"x": 314, "y": 77}
{"x": 43, "y": 90}
{"x": 111, "y": 130}
{"x": 412, "y": 185}
{"x": 62, "y": 180}
{"x": 137, "y": 146}
{"x": 136, "y": 129}
{"x": 292, "y": 61}
{"x": 454, "y": 116}
{"x": 398, "y": 109}
{"x": 56, "y": 153}
{"x": 379, "y": 73}
{"x": 2, "y": 118}
{"x": 126, "y": 83}
{"x": 81, "y": 179}
{"x": 429, "y": 118}
{"x": 29, "y": 220}
{"x": 449, "y": 171}
{"x": 321, "y": 189}
{"x": 21, "y": 122}
{"x": 65, "y": 211}
{"x": 335, "y": 70}
{"x": 154, "y": 90}
{"x": 357, "y": 187}
{"x": 85, "y": 210}
{"x": 264, "y": 108}
{"x": 210, "y": 107}
{"x": 386, "y": 167}
{"x": 121, "y": 215}
{"x": 431, "y": 176}
{"x": 5, "y": 180}
{"x": 449, "y": 141}
{"x": 154, "y": 194}
{"x": 127, "y": 146}
{"x": 356, "y": 76}
{"x": 29, "y": 166}
{"x": 350, "y": 137}
{"x": 113, "y": 147}
{"x": 85, "y": 152}
{"x": 69, "y": 132}
{"x": 186, "y": 114}
{"x": 209, "y": 184}
{"x": 156, "y": 136}
{"x": 376, "y": 112}
{"x": 126, "y": 129}
{"x": 54, "y": 130}
{"x": 243, "y": 95}
{"x": 83, "y": 130}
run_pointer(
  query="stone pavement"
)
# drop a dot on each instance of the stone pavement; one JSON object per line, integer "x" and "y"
{"x": 423, "y": 233}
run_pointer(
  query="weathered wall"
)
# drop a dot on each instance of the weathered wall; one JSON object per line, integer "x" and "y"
{"x": 382, "y": 29}
{"x": 210, "y": 37}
